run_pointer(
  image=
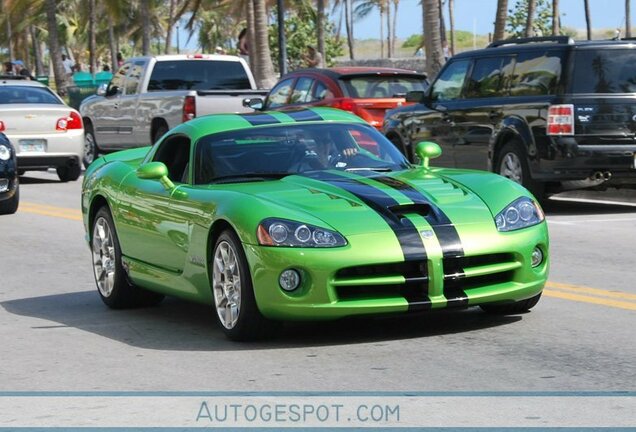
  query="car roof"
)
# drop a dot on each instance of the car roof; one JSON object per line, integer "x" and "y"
{"x": 202, "y": 57}
{"x": 20, "y": 82}
{"x": 351, "y": 71}
{"x": 218, "y": 123}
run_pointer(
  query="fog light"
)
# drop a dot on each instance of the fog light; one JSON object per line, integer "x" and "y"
{"x": 537, "y": 257}
{"x": 289, "y": 280}
{"x": 4, "y": 185}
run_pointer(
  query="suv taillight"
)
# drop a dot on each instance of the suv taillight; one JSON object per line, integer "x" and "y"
{"x": 73, "y": 121}
{"x": 189, "y": 108}
{"x": 561, "y": 120}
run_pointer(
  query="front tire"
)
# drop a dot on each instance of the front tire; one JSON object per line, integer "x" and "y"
{"x": 233, "y": 293}
{"x": 113, "y": 286}
{"x": 10, "y": 206}
{"x": 511, "y": 308}
{"x": 90, "y": 146}
{"x": 513, "y": 164}
{"x": 69, "y": 173}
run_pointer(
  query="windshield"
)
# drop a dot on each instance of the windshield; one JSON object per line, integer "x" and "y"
{"x": 375, "y": 87}
{"x": 276, "y": 151}
{"x": 605, "y": 71}
{"x": 27, "y": 95}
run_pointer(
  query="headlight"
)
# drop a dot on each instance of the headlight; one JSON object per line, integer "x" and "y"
{"x": 282, "y": 232}
{"x": 521, "y": 213}
{"x": 5, "y": 152}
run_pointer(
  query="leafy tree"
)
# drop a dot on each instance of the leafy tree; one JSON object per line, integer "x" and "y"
{"x": 301, "y": 32}
{"x": 518, "y": 18}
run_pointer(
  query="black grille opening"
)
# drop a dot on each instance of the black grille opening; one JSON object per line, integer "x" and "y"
{"x": 481, "y": 281}
{"x": 366, "y": 292}
{"x": 476, "y": 261}
{"x": 408, "y": 269}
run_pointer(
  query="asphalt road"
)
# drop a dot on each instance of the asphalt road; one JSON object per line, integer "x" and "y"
{"x": 57, "y": 335}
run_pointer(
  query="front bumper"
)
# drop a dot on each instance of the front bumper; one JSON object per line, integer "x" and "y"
{"x": 362, "y": 279}
{"x": 62, "y": 149}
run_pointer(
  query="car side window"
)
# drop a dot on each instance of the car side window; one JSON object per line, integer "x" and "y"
{"x": 536, "y": 73}
{"x": 279, "y": 94}
{"x": 449, "y": 84}
{"x": 174, "y": 152}
{"x": 485, "y": 78}
{"x": 118, "y": 79}
{"x": 133, "y": 78}
{"x": 302, "y": 91}
{"x": 321, "y": 92}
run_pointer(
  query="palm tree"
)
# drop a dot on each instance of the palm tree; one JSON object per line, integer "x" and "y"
{"x": 500, "y": 20}
{"x": 170, "y": 26}
{"x": 433, "y": 42}
{"x": 530, "y": 21}
{"x": 628, "y": 21}
{"x": 265, "y": 76}
{"x": 396, "y": 3}
{"x": 92, "y": 44}
{"x": 555, "y": 18}
{"x": 349, "y": 27}
{"x": 54, "y": 46}
{"x": 451, "y": 19}
{"x": 320, "y": 25}
{"x": 389, "y": 31}
{"x": 588, "y": 19}
{"x": 144, "y": 11}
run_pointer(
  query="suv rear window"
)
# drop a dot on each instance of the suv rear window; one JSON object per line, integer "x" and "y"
{"x": 27, "y": 95}
{"x": 604, "y": 71}
{"x": 198, "y": 75}
{"x": 375, "y": 87}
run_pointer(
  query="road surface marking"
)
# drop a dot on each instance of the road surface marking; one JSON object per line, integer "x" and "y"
{"x": 47, "y": 210}
{"x": 616, "y": 299}
{"x": 592, "y": 291}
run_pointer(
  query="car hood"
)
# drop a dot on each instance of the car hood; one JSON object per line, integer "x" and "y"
{"x": 358, "y": 203}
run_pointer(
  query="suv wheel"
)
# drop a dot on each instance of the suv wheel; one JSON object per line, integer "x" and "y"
{"x": 90, "y": 146}
{"x": 513, "y": 164}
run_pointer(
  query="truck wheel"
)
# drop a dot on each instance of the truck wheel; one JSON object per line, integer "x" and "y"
{"x": 10, "y": 206}
{"x": 161, "y": 130}
{"x": 90, "y": 146}
{"x": 511, "y": 308}
{"x": 69, "y": 173}
{"x": 513, "y": 164}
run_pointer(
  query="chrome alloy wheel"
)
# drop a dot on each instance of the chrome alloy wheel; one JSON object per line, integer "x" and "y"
{"x": 226, "y": 284}
{"x": 511, "y": 168}
{"x": 103, "y": 257}
{"x": 89, "y": 149}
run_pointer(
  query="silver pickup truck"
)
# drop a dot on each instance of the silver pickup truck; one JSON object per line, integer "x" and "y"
{"x": 148, "y": 96}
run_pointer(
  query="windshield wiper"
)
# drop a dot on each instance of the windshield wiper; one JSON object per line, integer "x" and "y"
{"x": 379, "y": 169}
{"x": 250, "y": 177}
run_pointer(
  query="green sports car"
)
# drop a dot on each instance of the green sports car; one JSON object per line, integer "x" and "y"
{"x": 306, "y": 215}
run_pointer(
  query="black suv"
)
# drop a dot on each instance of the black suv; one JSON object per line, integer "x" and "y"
{"x": 550, "y": 113}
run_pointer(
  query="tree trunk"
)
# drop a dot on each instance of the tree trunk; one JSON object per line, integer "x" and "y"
{"x": 530, "y": 20}
{"x": 9, "y": 37}
{"x": 500, "y": 20}
{"x": 39, "y": 64}
{"x": 433, "y": 42}
{"x": 395, "y": 12}
{"x": 320, "y": 23}
{"x": 556, "y": 22}
{"x": 451, "y": 18}
{"x": 54, "y": 47}
{"x": 442, "y": 23}
{"x": 349, "y": 27}
{"x": 113, "y": 47}
{"x": 92, "y": 44}
{"x": 170, "y": 26}
{"x": 628, "y": 19}
{"x": 265, "y": 76}
{"x": 588, "y": 19}
{"x": 381, "y": 30}
{"x": 145, "y": 25}
{"x": 389, "y": 30}
{"x": 251, "y": 38}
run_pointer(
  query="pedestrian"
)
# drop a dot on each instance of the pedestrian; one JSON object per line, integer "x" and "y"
{"x": 120, "y": 60}
{"x": 8, "y": 68}
{"x": 68, "y": 65}
{"x": 243, "y": 45}
{"x": 21, "y": 70}
{"x": 445, "y": 50}
{"x": 313, "y": 59}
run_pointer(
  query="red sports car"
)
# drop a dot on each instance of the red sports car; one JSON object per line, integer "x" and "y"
{"x": 367, "y": 92}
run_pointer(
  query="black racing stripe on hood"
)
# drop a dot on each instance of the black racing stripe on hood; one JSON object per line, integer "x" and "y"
{"x": 303, "y": 115}
{"x": 406, "y": 233}
{"x": 259, "y": 119}
{"x": 445, "y": 231}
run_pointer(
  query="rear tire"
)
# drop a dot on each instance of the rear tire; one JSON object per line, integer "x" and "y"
{"x": 511, "y": 308}
{"x": 233, "y": 293}
{"x": 113, "y": 285}
{"x": 161, "y": 131}
{"x": 69, "y": 173}
{"x": 90, "y": 146}
{"x": 10, "y": 206}
{"x": 513, "y": 164}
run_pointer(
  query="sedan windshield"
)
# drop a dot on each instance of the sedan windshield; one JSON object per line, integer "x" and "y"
{"x": 276, "y": 151}
{"x": 27, "y": 95}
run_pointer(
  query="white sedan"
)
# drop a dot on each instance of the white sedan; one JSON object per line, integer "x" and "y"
{"x": 45, "y": 131}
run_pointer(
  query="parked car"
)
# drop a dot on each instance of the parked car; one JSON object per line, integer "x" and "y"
{"x": 9, "y": 183}
{"x": 147, "y": 96}
{"x": 45, "y": 131}
{"x": 549, "y": 113}
{"x": 295, "y": 216}
{"x": 366, "y": 92}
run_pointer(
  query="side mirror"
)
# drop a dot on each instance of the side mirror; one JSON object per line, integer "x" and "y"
{"x": 155, "y": 171}
{"x": 427, "y": 150}
{"x": 101, "y": 90}
{"x": 254, "y": 103}
{"x": 112, "y": 91}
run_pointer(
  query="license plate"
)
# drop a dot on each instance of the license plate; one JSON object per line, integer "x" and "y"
{"x": 32, "y": 145}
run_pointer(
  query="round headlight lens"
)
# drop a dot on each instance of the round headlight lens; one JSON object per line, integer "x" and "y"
{"x": 278, "y": 232}
{"x": 303, "y": 234}
{"x": 512, "y": 216}
{"x": 5, "y": 153}
{"x": 526, "y": 211}
{"x": 324, "y": 238}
